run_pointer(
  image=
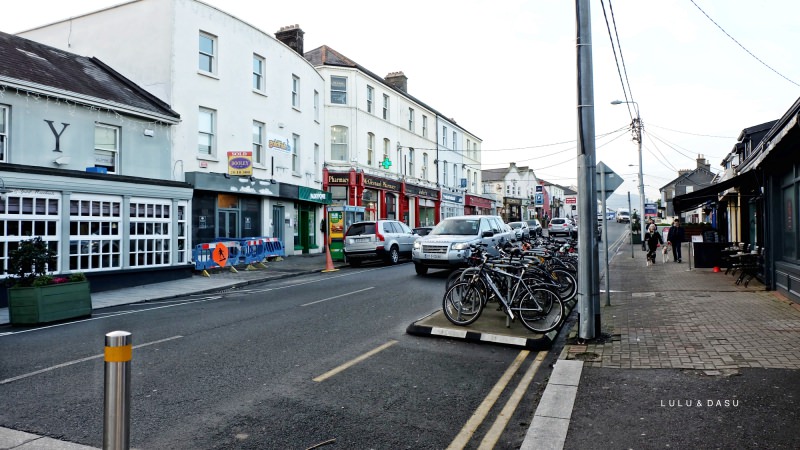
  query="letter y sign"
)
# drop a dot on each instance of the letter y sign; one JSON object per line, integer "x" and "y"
{"x": 57, "y": 134}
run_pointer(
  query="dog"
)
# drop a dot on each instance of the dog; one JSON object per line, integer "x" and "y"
{"x": 666, "y": 251}
{"x": 651, "y": 259}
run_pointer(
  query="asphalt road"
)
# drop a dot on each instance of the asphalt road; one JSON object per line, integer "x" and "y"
{"x": 287, "y": 364}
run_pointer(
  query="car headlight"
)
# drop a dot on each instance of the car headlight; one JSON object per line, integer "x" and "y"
{"x": 417, "y": 245}
{"x": 461, "y": 246}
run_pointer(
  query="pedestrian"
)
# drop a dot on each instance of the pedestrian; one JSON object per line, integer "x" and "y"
{"x": 653, "y": 239}
{"x": 675, "y": 237}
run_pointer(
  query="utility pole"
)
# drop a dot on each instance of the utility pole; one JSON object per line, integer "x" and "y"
{"x": 588, "y": 263}
{"x": 638, "y": 131}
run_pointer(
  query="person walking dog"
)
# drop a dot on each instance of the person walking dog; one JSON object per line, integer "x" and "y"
{"x": 675, "y": 237}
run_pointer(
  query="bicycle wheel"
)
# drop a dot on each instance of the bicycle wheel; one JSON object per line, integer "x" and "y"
{"x": 453, "y": 278}
{"x": 539, "y": 309}
{"x": 462, "y": 303}
{"x": 568, "y": 285}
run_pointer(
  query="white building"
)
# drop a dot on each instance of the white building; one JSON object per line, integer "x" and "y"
{"x": 237, "y": 89}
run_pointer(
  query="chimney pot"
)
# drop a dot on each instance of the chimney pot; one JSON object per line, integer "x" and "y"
{"x": 292, "y": 36}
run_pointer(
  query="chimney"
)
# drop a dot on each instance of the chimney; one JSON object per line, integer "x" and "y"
{"x": 702, "y": 163}
{"x": 292, "y": 36}
{"x": 397, "y": 80}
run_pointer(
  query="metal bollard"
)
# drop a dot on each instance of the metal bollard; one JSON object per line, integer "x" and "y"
{"x": 117, "y": 406}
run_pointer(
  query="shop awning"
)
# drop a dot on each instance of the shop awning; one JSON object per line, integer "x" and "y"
{"x": 694, "y": 199}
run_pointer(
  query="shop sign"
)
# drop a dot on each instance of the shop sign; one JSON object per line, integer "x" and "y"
{"x": 380, "y": 183}
{"x": 571, "y": 201}
{"x": 279, "y": 143}
{"x": 479, "y": 202}
{"x": 338, "y": 178}
{"x": 314, "y": 195}
{"x": 513, "y": 201}
{"x": 240, "y": 163}
{"x": 421, "y": 191}
{"x": 451, "y": 198}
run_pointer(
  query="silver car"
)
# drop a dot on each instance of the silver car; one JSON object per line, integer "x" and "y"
{"x": 378, "y": 240}
{"x": 447, "y": 246}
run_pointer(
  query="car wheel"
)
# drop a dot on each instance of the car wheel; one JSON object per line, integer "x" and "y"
{"x": 394, "y": 256}
{"x": 420, "y": 269}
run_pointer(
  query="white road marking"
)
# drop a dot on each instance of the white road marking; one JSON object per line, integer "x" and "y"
{"x": 338, "y": 296}
{"x": 354, "y": 361}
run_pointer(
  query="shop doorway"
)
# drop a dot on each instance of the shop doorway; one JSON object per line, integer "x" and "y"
{"x": 228, "y": 223}
{"x": 277, "y": 224}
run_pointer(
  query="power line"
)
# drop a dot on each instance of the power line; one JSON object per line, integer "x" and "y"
{"x": 693, "y": 134}
{"x": 742, "y": 46}
{"x": 617, "y": 60}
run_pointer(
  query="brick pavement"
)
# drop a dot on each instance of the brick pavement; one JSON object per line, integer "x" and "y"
{"x": 667, "y": 316}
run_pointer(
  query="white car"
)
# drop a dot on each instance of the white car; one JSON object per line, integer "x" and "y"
{"x": 520, "y": 229}
{"x": 561, "y": 226}
{"x": 447, "y": 245}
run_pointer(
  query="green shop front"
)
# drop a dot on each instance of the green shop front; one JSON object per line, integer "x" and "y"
{"x": 309, "y": 211}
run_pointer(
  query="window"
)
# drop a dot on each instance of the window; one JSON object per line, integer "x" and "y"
{"x": 455, "y": 175}
{"x": 400, "y": 164}
{"x": 3, "y": 133}
{"x": 316, "y": 160}
{"x": 411, "y": 163}
{"x": 425, "y": 166}
{"x": 295, "y": 91}
{"x": 385, "y": 107}
{"x": 411, "y": 119}
{"x": 258, "y": 142}
{"x": 29, "y": 213}
{"x": 339, "y": 143}
{"x": 455, "y": 140}
{"x": 444, "y": 136}
{"x": 386, "y": 146}
{"x": 339, "y": 90}
{"x": 469, "y": 177}
{"x": 258, "y": 73}
{"x": 370, "y": 99}
{"x": 370, "y": 148}
{"x": 295, "y": 154}
{"x": 150, "y": 232}
{"x": 316, "y": 106}
{"x": 475, "y": 182}
{"x": 444, "y": 173}
{"x": 424, "y": 126}
{"x": 469, "y": 149}
{"x": 106, "y": 147}
{"x": 181, "y": 238}
{"x": 206, "y": 124}
{"x": 95, "y": 236}
{"x": 208, "y": 53}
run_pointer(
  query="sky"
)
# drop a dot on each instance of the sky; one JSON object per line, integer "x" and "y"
{"x": 699, "y": 71}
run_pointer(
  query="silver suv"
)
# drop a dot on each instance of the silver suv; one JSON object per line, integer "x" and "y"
{"x": 386, "y": 240}
{"x": 447, "y": 246}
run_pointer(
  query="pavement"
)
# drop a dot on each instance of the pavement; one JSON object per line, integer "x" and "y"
{"x": 684, "y": 358}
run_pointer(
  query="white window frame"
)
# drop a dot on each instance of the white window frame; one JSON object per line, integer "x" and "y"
{"x": 444, "y": 136}
{"x": 411, "y": 119}
{"x": 387, "y": 146}
{"x": 338, "y": 95}
{"x": 385, "y": 107}
{"x": 296, "y": 154}
{"x": 370, "y": 99}
{"x": 114, "y": 152}
{"x": 258, "y": 73}
{"x": 258, "y": 142}
{"x": 316, "y": 106}
{"x": 339, "y": 142}
{"x": 151, "y": 234}
{"x": 209, "y": 134}
{"x": 411, "y": 163}
{"x": 295, "y": 92}
{"x": 28, "y": 213}
{"x": 424, "y": 126}
{"x": 455, "y": 139}
{"x": 425, "y": 166}
{"x": 444, "y": 173}
{"x": 370, "y": 149}
{"x": 317, "y": 172}
{"x": 4, "y": 132}
{"x": 211, "y": 57}
{"x": 95, "y": 232}
{"x": 455, "y": 175}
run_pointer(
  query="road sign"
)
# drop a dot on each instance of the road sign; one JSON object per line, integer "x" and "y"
{"x": 220, "y": 255}
{"x": 612, "y": 180}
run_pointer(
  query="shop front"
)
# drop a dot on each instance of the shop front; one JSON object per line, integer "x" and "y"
{"x": 381, "y": 198}
{"x": 422, "y": 206}
{"x": 512, "y": 209}
{"x": 452, "y": 205}
{"x": 477, "y": 205}
{"x": 309, "y": 209}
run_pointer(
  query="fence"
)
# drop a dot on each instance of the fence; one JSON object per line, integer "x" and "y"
{"x": 239, "y": 251}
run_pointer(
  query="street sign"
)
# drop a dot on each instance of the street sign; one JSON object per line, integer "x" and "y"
{"x": 220, "y": 255}
{"x": 612, "y": 180}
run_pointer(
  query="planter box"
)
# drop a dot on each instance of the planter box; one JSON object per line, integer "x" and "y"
{"x": 636, "y": 238}
{"x": 33, "y": 305}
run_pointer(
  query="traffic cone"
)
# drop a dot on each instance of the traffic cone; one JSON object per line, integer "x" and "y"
{"x": 328, "y": 261}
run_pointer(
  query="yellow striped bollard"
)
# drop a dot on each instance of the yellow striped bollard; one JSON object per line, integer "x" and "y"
{"x": 117, "y": 404}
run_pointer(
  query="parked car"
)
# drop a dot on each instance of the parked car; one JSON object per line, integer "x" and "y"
{"x": 534, "y": 227}
{"x": 520, "y": 229}
{"x": 561, "y": 226}
{"x": 378, "y": 240}
{"x": 422, "y": 231}
{"x": 447, "y": 246}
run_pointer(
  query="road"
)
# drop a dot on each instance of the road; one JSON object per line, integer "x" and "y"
{"x": 289, "y": 364}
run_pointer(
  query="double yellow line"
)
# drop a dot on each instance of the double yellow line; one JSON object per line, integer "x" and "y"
{"x": 494, "y": 433}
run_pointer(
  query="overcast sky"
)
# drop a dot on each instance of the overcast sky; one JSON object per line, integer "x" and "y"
{"x": 506, "y": 70}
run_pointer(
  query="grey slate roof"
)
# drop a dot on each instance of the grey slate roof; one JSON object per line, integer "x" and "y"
{"x": 29, "y": 63}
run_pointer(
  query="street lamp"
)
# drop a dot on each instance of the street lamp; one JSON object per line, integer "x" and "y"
{"x": 637, "y": 136}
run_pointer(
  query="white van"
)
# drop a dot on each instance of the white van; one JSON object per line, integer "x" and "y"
{"x": 623, "y": 216}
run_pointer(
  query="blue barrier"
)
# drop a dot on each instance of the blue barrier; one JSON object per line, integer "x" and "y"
{"x": 240, "y": 251}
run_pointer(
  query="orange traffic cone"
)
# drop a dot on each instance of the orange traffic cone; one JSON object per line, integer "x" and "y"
{"x": 328, "y": 261}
